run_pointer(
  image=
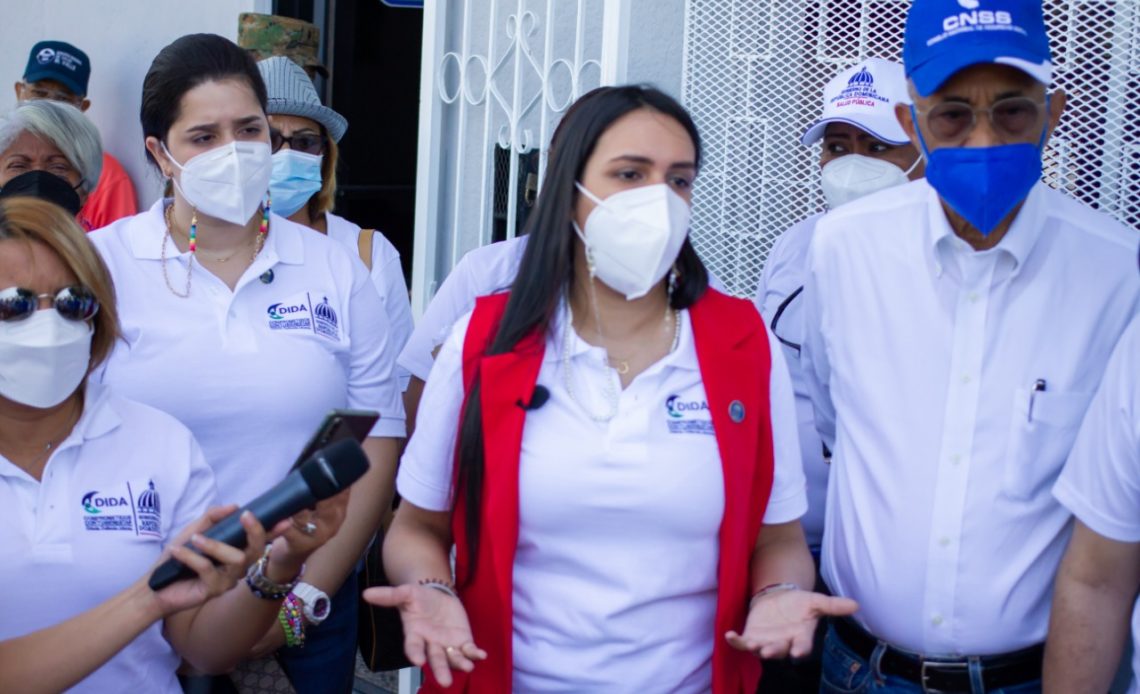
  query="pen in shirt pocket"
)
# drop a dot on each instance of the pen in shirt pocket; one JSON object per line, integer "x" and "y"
{"x": 1038, "y": 387}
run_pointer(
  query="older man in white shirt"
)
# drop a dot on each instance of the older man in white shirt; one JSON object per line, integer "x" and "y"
{"x": 956, "y": 330}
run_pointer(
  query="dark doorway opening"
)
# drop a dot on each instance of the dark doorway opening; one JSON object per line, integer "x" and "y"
{"x": 373, "y": 52}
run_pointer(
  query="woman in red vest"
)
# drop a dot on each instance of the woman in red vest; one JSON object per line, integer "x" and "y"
{"x": 610, "y": 446}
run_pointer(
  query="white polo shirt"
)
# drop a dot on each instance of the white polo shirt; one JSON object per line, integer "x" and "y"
{"x": 388, "y": 278}
{"x": 1100, "y": 483}
{"x": 124, "y": 482}
{"x": 615, "y": 572}
{"x": 921, "y": 356}
{"x": 785, "y": 272}
{"x": 484, "y": 270}
{"x": 253, "y": 371}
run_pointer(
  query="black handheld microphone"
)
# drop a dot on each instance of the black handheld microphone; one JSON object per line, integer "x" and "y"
{"x": 538, "y": 398}
{"x": 329, "y": 471}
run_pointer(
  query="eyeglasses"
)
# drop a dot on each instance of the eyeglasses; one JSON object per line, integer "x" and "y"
{"x": 34, "y": 92}
{"x": 303, "y": 142}
{"x": 76, "y": 303}
{"x": 1015, "y": 118}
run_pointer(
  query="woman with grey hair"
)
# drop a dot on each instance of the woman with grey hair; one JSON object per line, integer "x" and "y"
{"x": 53, "y": 138}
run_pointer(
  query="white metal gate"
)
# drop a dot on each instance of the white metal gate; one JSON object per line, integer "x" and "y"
{"x": 495, "y": 73}
{"x": 754, "y": 76}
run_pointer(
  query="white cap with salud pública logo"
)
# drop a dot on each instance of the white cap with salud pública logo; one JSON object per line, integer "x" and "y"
{"x": 864, "y": 95}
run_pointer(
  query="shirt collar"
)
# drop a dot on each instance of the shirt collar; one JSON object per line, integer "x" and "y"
{"x": 146, "y": 241}
{"x": 1017, "y": 243}
{"x": 284, "y": 243}
{"x": 99, "y": 416}
{"x": 98, "y": 419}
{"x": 683, "y": 357}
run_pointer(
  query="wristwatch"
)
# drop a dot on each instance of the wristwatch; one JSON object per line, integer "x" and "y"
{"x": 315, "y": 603}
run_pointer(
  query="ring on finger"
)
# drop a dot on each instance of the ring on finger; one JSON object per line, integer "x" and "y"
{"x": 449, "y": 650}
{"x": 309, "y": 528}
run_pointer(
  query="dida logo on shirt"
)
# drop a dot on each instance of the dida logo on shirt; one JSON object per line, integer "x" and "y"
{"x": 687, "y": 416}
{"x": 299, "y": 312}
{"x": 92, "y": 503}
{"x": 134, "y": 508}
{"x": 283, "y": 311}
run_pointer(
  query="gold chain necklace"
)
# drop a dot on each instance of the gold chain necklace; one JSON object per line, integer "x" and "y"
{"x": 51, "y": 444}
{"x": 610, "y": 391}
{"x": 168, "y": 215}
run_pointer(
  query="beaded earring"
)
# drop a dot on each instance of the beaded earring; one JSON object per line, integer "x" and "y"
{"x": 193, "y": 245}
{"x": 591, "y": 264}
{"x": 670, "y": 289}
{"x": 263, "y": 230}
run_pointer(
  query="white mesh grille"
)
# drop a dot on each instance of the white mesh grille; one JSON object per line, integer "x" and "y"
{"x": 754, "y": 76}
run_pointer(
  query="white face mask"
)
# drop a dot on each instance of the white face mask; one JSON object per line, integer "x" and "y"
{"x": 852, "y": 176}
{"x": 633, "y": 237}
{"x": 43, "y": 358}
{"x": 228, "y": 182}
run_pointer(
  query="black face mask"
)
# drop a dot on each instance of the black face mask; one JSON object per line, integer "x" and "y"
{"x": 45, "y": 186}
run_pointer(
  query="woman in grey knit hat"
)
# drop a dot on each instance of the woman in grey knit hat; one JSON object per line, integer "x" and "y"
{"x": 305, "y": 135}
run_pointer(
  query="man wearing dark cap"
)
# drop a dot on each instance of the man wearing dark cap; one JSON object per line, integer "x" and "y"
{"x": 956, "y": 329}
{"x": 60, "y": 72}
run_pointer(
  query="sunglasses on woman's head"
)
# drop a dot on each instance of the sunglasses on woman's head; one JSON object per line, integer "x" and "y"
{"x": 73, "y": 303}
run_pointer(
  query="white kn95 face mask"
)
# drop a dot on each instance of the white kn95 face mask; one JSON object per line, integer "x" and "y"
{"x": 633, "y": 237}
{"x": 43, "y": 358}
{"x": 227, "y": 182}
{"x": 853, "y": 176}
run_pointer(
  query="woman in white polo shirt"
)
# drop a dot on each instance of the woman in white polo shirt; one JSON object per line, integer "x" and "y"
{"x": 305, "y": 136}
{"x": 626, "y": 476}
{"x": 248, "y": 327}
{"x": 95, "y": 487}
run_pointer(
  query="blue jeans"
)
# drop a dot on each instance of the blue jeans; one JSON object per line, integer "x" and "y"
{"x": 844, "y": 672}
{"x": 327, "y": 662}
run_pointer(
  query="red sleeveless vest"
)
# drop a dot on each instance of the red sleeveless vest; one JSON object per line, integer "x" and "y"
{"x": 735, "y": 363}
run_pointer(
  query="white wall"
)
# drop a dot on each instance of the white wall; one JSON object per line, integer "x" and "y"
{"x": 121, "y": 37}
{"x": 656, "y": 38}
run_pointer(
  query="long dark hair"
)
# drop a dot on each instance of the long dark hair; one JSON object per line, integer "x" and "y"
{"x": 546, "y": 270}
{"x": 186, "y": 63}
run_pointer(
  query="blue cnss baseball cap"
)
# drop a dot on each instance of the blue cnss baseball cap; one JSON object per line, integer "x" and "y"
{"x": 59, "y": 61}
{"x": 945, "y": 36}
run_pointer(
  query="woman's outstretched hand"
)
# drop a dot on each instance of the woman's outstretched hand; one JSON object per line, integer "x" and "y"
{"x": 783, "y": 624}
{"x": 436, "y": 630}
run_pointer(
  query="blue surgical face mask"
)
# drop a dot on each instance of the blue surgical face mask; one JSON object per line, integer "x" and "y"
{"x": 983, "y": 184}
{"x": 296, "y": 178}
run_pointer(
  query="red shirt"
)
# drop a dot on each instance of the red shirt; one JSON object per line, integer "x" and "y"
{"x": 112, "y": 199}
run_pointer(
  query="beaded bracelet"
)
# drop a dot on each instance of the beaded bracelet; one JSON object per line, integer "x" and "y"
{"x": 440, "y": 585}
{"x": 292, "y": 622}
